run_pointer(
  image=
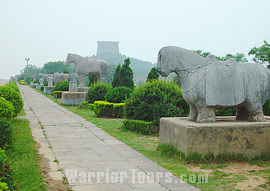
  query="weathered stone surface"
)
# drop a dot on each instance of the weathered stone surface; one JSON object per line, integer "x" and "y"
{"x": 48, "y": 90}
{"x": 50, "y": 80}
{"x": 208, "y": 84}
{"x": 41, "y": 81}
{"x": 87, "y": 66}
{"x": 73, "y": 82}
{"x": 82, "y": 89}
{"x": 59, "y": 77}
{"x": 226, "y": 136}
{"x": 38, "y": 86}
{"x": 73, "y": 98}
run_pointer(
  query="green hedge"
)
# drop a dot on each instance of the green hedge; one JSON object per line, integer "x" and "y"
{"x": 106, "y": 109}
{"x": 13, "y": 86}
{"x": 5, "y": 133}
{"x": 13, "y": 96}
{"x": 156, "y": 99}
{"x": 140, "y": 126}
{"x": 6, "y": 109}
{"x": 86, "y": 105}
{"x": 62, "y": 86}
{"x": 118, "y": 94}
{"x": 97, "y": 92}
{"x": 6, "y": 172}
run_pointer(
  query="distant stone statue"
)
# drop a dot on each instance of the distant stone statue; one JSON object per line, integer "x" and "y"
{"x": 87, "y": 66}
{"x": 50, "y": 80}
{"x": 44, "y": 76}
{"x": 60, "y": 77}
{"x": 73, "y": 82}
{"x": 41, "y": 81}
{"x": 208, "y": 84}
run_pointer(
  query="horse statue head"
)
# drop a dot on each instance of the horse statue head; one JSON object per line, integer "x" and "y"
{"x": 71, "y": 58}
{"x": 176, "y": 59}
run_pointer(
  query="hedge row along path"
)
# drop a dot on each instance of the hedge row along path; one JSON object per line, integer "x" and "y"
{"x": 71, "y": 142}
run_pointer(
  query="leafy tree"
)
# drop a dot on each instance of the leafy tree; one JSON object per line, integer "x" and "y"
{"x": 239, "y": 57}
{"x": 261, "y": 54}
{"x": 153, "y": 74}
{"x": 50, "y": 67}
{"x": 92, "y": 79}
{"x": 116, "y": 78}
{"x": 201, "y": 53}
{"x": 126, "y": 75}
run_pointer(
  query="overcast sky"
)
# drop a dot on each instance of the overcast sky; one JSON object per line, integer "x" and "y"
{"x": 46, "y": 30}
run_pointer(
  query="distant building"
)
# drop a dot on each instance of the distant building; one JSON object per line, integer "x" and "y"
{"x": 107, "y": 48}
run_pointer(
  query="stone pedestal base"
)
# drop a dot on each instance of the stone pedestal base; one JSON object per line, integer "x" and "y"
{"x": 82, "y": 89}
{"x": 226, "y": 136}
{"x": 48, "y": 90}
{"x": 73, "y": 98}
{"x": 38, "y": 86}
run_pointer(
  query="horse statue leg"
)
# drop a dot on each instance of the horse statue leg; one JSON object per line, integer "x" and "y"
{"x": 206, "y": 114}
{"x": 192, "y": 113}
{"x": 82, "y": 80}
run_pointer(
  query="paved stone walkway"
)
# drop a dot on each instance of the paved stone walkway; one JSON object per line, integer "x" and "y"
{"x": 90, "y": 158}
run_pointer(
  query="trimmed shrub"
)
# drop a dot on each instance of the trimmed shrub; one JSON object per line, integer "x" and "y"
{"x": 5, "y": 133}
{"x": 36, "y": 82}
{"x": 6, "y": 109}
{"x": 22, "y": 82}
{"x": 6, "y": 172}
{"x": 140, "y": 126}
{"x": 62, "y": 86}
{"x": 118, "y": 94}
{"x": 151, "y": 101}
{"x": 13, "y": 86}
{"x": 86, "y": 105}
{"x": 13, "y": 96}
{"x": 46, "y": 83}
{"x": 42, "y": 88}
{"x": 106, "y": 109}
{"x": 97, "y": 92}
{"x": 57, "y": 94}
{"x": 3, "y": 186}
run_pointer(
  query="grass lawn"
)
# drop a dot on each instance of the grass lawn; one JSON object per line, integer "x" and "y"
{"x": 226, "y": 176}
{"x": 23, "y": 154}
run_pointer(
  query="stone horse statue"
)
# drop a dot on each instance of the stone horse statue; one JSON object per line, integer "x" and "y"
{"x": 208, "y": 84}
{"x": 44, "y": 76}
{"x": 87, "y": 66}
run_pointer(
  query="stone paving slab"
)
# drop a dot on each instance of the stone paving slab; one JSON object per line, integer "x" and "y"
{"x": 85, "y": 152}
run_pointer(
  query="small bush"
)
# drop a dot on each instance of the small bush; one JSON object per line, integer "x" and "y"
{"x": 62, "y": 86}
{"x": 57, "y": 94}
{"x": 42, "y": 88}
{"x": 153, "y": 99}
{"x": 139, "y": 126}
{"x": 97, "y": 92}
{"x": 6, "y": 109}
{"x": 118, "y": 94}
{"x": 13, "y": 86}
{"x": 46, "y": 83}
{"x": 6, "y": 172}
{"x": 3, "y": 186}
{"x": 5, "y": 133}
{"x": 22, "y": 82}
{"x": 106, "y": 109}
{"x": 13, "y": 96}
{"x": 36, "y": 82}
